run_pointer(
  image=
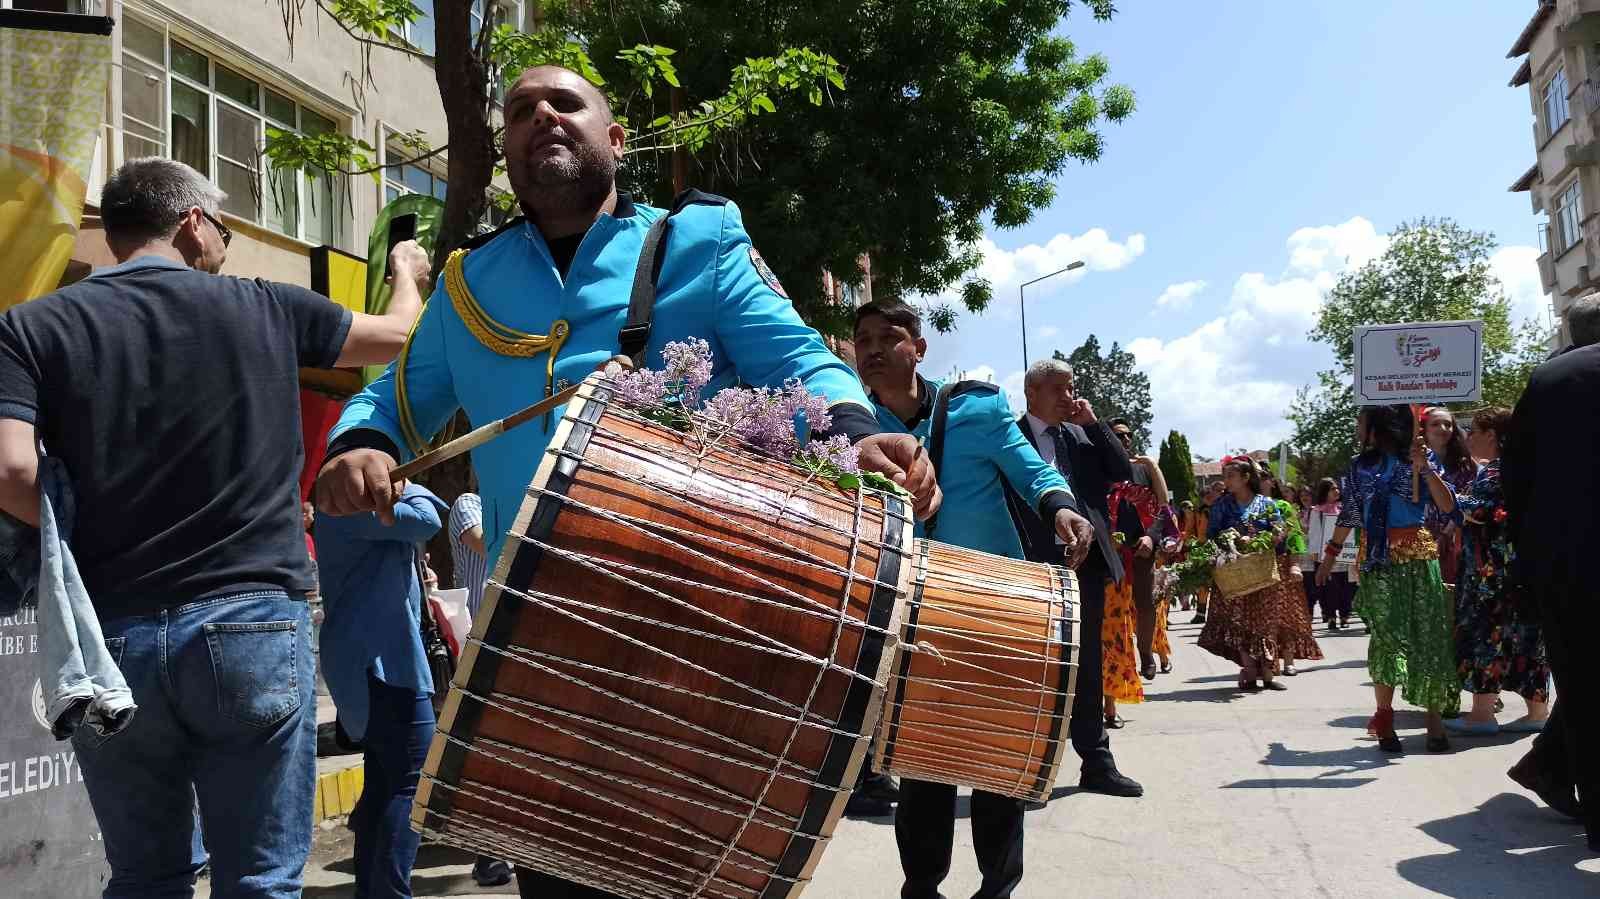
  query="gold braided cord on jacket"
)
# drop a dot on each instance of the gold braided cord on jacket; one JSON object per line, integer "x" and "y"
{"x": 495, "y": 336}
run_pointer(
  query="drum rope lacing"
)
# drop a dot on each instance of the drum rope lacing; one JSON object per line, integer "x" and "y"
{"x": 816, "y": 684}
{"x": 750, "y": 493}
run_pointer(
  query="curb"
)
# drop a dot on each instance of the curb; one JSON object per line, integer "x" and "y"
{"x": 337, "y": 792}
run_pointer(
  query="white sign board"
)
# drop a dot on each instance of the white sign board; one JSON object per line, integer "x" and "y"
{"x": 1438, "y": 362}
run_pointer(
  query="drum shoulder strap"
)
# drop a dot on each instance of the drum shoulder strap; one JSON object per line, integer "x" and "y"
{"x": 937, "y": 424}
{"x": 635, "y": 333}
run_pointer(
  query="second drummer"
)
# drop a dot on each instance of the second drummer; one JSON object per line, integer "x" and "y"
{"x": 982, "y": 443}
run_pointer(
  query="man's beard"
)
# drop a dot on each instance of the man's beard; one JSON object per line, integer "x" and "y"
{"x": 557, "y": 187}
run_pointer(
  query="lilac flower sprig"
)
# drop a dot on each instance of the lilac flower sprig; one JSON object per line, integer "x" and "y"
{"x": 762, "y": 417}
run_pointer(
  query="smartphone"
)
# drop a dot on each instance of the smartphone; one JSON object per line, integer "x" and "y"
{"x": 401, "y": 228}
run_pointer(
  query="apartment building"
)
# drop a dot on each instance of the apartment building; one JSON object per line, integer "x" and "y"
{"x": 1560, "y": 53}
{"x": 202, "y": 81}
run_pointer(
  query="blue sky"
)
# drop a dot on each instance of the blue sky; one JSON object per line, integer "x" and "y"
{"x": 1273, "y": 146}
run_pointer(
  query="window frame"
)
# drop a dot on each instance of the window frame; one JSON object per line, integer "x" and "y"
{"x": 1569, "y": 217}
{"x": 1559, "y": 98}
{"x": 307, "y": 226}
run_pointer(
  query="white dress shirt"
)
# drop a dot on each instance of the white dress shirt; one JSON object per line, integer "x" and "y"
{"x": 1042, "y": 441}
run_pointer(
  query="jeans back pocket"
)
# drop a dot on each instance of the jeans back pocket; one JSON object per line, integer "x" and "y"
{"x": 255, "y": 665}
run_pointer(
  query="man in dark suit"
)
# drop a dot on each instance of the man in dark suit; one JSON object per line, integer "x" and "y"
{"x": 1084, "y": 450}
{"x": 1549, "y": 470}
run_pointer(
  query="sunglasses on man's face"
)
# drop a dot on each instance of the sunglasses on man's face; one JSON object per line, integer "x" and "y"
{"x": 1124, "y": 436}
{"x": 222, "y": 230}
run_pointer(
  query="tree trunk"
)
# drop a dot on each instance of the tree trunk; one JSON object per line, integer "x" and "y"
{"x": 463, "y": 79}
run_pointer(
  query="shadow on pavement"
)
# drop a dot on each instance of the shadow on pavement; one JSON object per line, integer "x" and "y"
{"x": 1339, "y": 762}
{"x": 1203, "y": 694}
{"x": 1509, "y": 846}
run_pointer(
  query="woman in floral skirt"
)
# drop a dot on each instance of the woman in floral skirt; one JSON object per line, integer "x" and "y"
{"x": 1246, "y": 629}
{"x": 1401, "y": 597}
{"x": 1499, "y": 644}
{"x": 1453, "y": 461}
{"x": 1295, "y": 639}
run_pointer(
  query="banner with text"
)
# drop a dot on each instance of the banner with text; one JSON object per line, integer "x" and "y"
{"x": 50, "y": 843}
{"x": 1429, "y": 362}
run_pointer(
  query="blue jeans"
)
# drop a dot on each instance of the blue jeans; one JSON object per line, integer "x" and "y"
{"x": 226, "y": 715}
{"x": 400, "y": 723}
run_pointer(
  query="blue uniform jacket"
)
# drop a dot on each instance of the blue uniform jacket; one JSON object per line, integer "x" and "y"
{"x": 982, "y": 445}
{"x": 711, "y": 286}
{"x": 372, "y": 602}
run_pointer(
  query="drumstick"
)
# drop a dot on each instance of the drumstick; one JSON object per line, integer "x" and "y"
{"x": 479, "y": 436}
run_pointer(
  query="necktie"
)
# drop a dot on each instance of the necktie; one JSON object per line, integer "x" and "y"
{"x": 1054, "y": 433}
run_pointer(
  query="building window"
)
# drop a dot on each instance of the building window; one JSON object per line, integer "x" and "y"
{"x": 180, "y": 103}
{"x": 419, "y": 178}
{"x": 1555, "y": 103}
{"x": 1569, "y": 218}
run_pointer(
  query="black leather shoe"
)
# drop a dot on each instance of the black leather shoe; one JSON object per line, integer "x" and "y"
{"x": 863, "y": 806}
{"x": 1149, "y": 670}
{"x": 1112, "y": 783}
{"x": 879, "y": 786}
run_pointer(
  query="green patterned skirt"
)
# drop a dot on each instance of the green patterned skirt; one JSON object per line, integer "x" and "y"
{"x": 1411, "y": 619}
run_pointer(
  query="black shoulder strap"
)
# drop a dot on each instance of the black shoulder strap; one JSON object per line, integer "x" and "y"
{"x": 635, "y": 333}
{"x": 936, "y": 425}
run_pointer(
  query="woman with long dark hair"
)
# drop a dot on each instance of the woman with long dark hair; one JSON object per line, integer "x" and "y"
{"x": 1335, "y": 596}
{"x": 1401, "y": 597}
{"x": 1499, "y": 644}
{"x": 1453, "y": 461}
{"x": 1295, "y": 640}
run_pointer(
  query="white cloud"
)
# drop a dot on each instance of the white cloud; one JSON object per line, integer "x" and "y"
{"x": 981, "y": 373}
{"x": 1006, "y": 269}
{"x": 1047, "y": 332}
{"x": 1518, "y": 271}
{"x": 1181, "y": 295}
{"x": 1229, "y": 382}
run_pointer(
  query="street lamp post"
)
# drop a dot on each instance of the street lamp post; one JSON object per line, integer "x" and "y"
{"x": 1022, "y": 304}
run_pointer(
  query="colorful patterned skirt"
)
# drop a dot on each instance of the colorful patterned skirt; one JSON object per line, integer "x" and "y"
{"x": 1295, "y": 640}
{"x": 1119, "y": 661}
{"x": 1243, "y": 629}
{"x": 1499, "y": 641}
{"x": 1411, "y": 619}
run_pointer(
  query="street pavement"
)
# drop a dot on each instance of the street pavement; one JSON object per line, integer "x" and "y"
{"x": 1270, "y": 794}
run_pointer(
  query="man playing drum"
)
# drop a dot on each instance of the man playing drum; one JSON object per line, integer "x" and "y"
{"x": 983, "y": 447}
{"x": 541, "y": 303}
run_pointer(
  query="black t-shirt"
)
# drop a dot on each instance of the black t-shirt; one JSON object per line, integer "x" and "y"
{"x": 172, "y": 396}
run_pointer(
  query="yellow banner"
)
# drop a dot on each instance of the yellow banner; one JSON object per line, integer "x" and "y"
{"x": 52, "y": 100}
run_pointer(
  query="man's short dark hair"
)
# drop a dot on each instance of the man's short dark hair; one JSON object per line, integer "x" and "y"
{"x": 1121, "y": 422}
{"x": 898, "y": 314}
{"x": 1583, "y": 320}
{"x": 146, "y": 198}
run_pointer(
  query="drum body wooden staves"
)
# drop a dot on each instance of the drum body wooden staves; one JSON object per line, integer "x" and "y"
{"x": 677, "y": 668}
{"x": 982, "y": 690}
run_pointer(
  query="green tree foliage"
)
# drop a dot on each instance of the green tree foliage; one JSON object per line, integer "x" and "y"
{"x": 1433, "y": 270}
{"x": 1177, "y": 465}
{"x": 469, "y": 62}
{"x": 957, "y": 111}
{"x": 1113, "y": 386}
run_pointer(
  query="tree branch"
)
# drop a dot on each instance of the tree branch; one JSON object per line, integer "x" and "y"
{"x": 372, "y": 42}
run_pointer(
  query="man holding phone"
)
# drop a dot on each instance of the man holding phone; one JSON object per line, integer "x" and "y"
{"x": 183, "y": 445}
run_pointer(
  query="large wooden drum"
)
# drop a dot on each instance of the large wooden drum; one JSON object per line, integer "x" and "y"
{"x": 677, "y": 668}
{"x": 982, "y": 690}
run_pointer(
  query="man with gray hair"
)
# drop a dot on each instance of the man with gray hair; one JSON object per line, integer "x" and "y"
{"x": 170, "y": 394}
{"x": 1063, "y": 428}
